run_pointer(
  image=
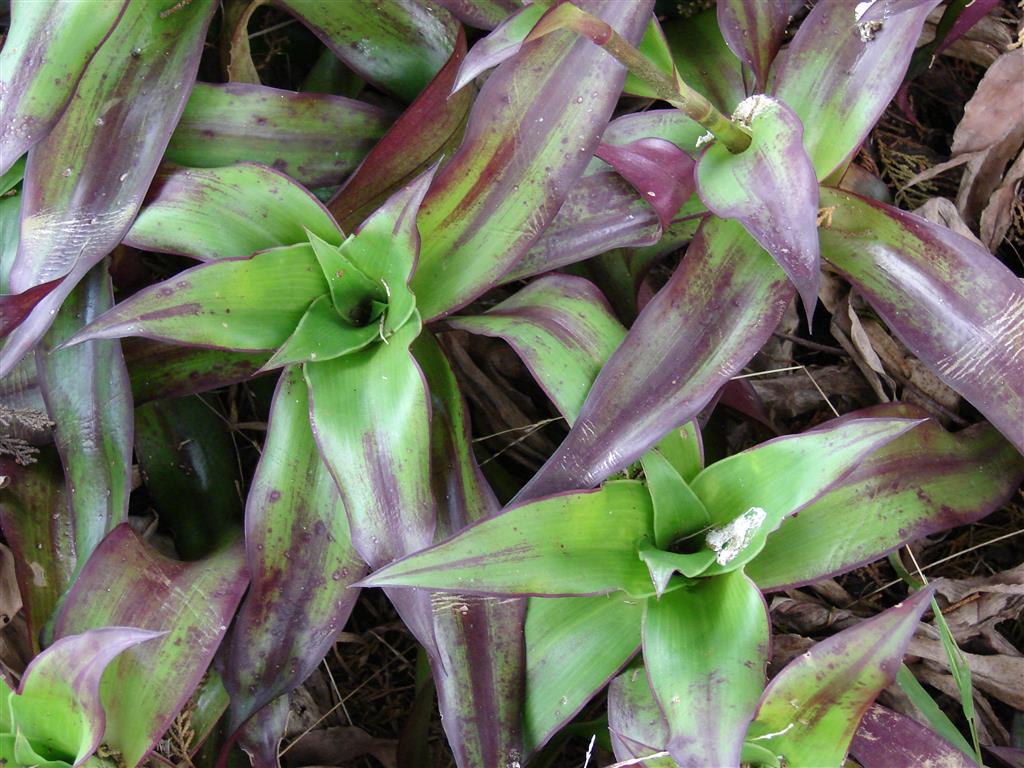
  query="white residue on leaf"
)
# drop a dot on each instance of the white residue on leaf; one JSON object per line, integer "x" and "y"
{"x": 730, "y": 539}
{"x": 707, "y": 138}
{"x": 867, "y": 29}
{"x": 751, "y": 107}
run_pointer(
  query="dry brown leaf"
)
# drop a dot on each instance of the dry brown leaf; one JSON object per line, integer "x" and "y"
{"x": 999, "y": 675}
{"x": 337, "y": 746}
{"x": 998, "y": 214}
{"x": 996, "y": 106}
{"x": 940, "y": 210}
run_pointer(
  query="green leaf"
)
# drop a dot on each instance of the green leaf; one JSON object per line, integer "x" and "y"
{"x": 924, "y": 703}
{"x": 683, "y": 448}
{"x": 571, "y": 544}
{"x": 241, "y": 304}
{"x": 573, "y": 646}
{"x": 322, "y": 335}
{"x": 706, "y": 647}
{"x": 563, "y": 329}
{"x": 677, "y": 510}
{"x": 810, "y": 710}
{"x": 227, "y": 212}
{"x": 925, "y": 481}
{"x": 654, "y": 46}
{"x": 748, "y": 495}
{"x": 352, "y": 290}
{"x": 662, "y": 564}
{"x": 704, "y": 61}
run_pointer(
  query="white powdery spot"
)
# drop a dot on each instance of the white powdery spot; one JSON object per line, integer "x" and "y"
{"x": 751, "y": 107}
{"x": 707, "y": 138}
{"x": 731, "y": 539}
{"x": 867, "y": 29}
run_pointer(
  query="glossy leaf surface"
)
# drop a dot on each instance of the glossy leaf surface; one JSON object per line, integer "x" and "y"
{"x": 923, "y": 482}
{"x": 502, "y": 43}
{"x": 512, "y": 173}
{"x": 89, "y": 398}
{"x": 125, "y": 582}
{"x": 770, "y": 187}
{"x": 838, "y": 83}
{"x": 706, "y": 648}
{"x": 781, "y": 476}
{"x": 241, "y": 304}
{"x": 720, "y": 305}
{"x": 571, "y": 544}
{"x": 810, "y": 710}
{"x": 574, "y": 646}
{"x": 315, "y": 138}
{"x": 754, "y": 32}
{"x": 563, "y": 329}
{"x": 661, "y": 173}
{"x": 954, "y": 305}
{"x": 37, "y": 78}
{"x": 86, "y": 180}
{"x": 300, "y": 560}
{"x": 227, "y": 212}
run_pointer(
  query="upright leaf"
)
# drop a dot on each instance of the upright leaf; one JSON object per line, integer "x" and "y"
{"x": 677, "y": 509}
{"x": 502, "y": 43}
{"x": 89, "y": 398}
{"x": 300, "y": 559}
{"x": 315, "y": 138}
{"x": 563, "y": 329}
{"x": 754, "y": 32}
{"x": 227, "y": 212}
{"x": 715, "y": 312}
{"x": 953, "y": 304}
{"x": 37, "y": 77}
{"x": 703, "y": 59}
{"x": 705, "y": 648}
{"x": 810, "y": 711}
{"x": 512, "y": 172}
{"x": 839, "y": 75}
{"x": 770, "y": 187}
{"x": 87, "y": 179}
{"x": 923, "y": 482}
{"x": 126, "y": 582}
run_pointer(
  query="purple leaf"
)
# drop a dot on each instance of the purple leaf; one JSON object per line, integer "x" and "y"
{"x": 754, "y": 32}
{"x": 716, "y": 311}
{"x": 15, "y": 307}
{"x": 971, "y": 14}
{"x": 886, "y": 738}
{"x": 512, "y": 173}
{"x": 770, "y": 187}
{"x": 838, "y": 76}
{"x": 953, "y": 304}
{"x": 126, "y": 582}
{"x": 300, "y": 560}
{"x": 86, "y": 180}
{"x": 659, "y": 170}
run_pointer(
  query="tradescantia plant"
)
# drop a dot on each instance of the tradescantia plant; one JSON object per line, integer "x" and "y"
{"x": 517, "y": 185}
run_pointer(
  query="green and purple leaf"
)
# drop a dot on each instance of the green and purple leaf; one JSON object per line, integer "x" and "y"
{"x": 227, "y": 212}
{"x": 569, "y": 544}
{"x": 85, "y": 181}
{"x": 716, "y": 311}
{"x": 300, "y": 560}
{"x": 811, "y": 709}
{"x": 886, "y": 738}
{"x": 705, "y": 649}
{"x": 770, "y": 187}
{"x": 37, "y": 78}
{"x": 88, "y": 396}
{"x": 57, "y": 707}
{"x": 158, "y": 369}
{"x": 315, "y": 138}
{"x": 923, "y": 482}
{"x": 502, "y": 43}
{"x": 125, "y": 582}
{"x": 754, "y": 31}
{"x": 247, "y": 304}
{"x": 840, "y": 73}
{"x": 563, "y": 329}
{"x": 661, "y": 173}
{"x": 703, "y": 60}
{"x": 781, "y": 476}
{"x": 574, "y": 645}
{"x": 531, "y": 134}
{"x": 954, "y": 305}
{"x": 636, "y": 722}
{"x": 483, "y": 14}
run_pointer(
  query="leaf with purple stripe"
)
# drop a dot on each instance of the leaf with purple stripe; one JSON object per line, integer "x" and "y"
{"x": 885, "y": 738}
{"x": 705, "y": 648}
{"x": 714, "y": 314}
{"x": 126, "y": 582}
{"x": 953, "y": 304}
{"x": 754, "y": 32}
{"x": 37, "y": 78}
{"x": 89, "y": 398}
{"x": 227, "y": 212}
{"x": 512, "y": 172}
{"x": 315, "y": 138}
{"x": 659, "y": 170}
{"x": 85, "y": 182}
{"x": 158, "y": 369}
{"x": 502, "y": 43}
{"x": 483, "y": 14}
{"x": 839, "y": 75}
{"x": 563, "y": 329}
{"x": 770, "y": 187}
{"x": 923, "y": 482}
{"x": 811, "y": 709}
{"x": 300, "y": 560}
{"x": 635, "y": 720}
